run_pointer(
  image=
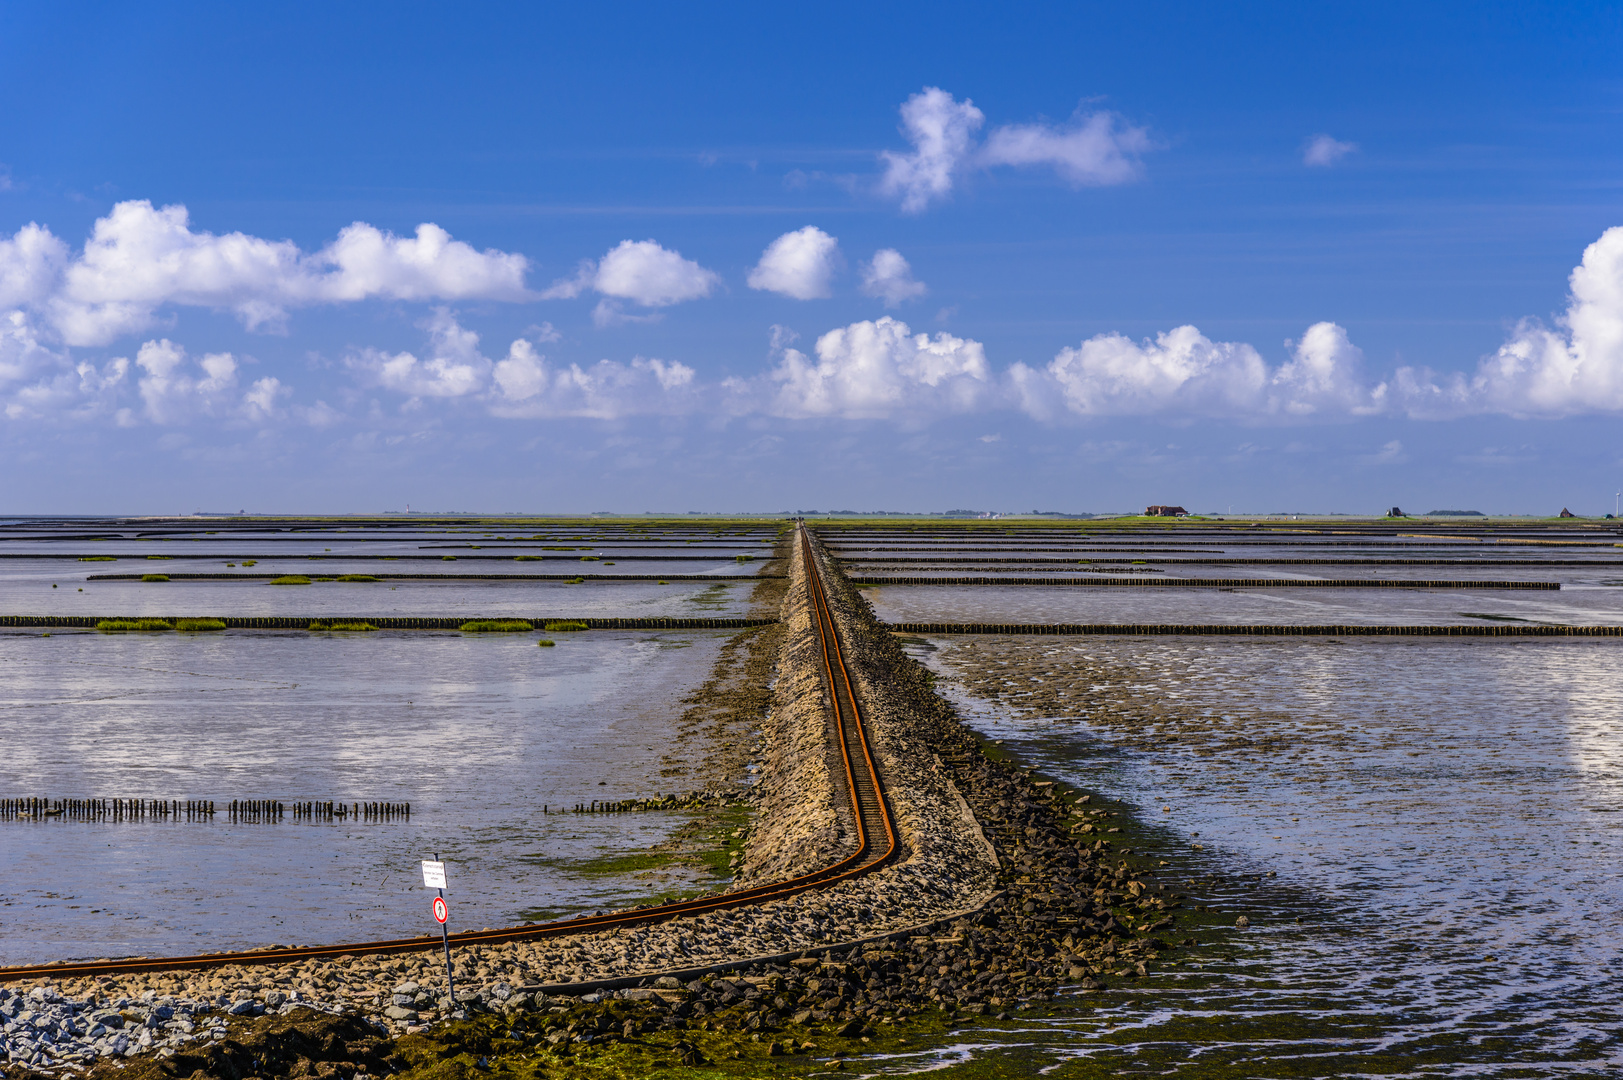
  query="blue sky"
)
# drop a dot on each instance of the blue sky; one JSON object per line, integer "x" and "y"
{"x": 1074, "y": 257}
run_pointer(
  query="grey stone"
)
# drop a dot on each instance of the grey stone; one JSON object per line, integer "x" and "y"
{"x": 395, "y": 1012}
{"x": 274, "y": 998}
{"x": 246, "y": 1007}
{"x": 407, "y": 988}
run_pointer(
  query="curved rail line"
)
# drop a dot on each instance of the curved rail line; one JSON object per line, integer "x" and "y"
{"x": 876, "y": 845}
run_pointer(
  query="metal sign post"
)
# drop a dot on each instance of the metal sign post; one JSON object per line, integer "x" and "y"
{"x": 434, "y": 878}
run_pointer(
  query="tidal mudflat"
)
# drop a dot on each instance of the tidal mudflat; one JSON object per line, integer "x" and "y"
{"x": 1425, "y": 837}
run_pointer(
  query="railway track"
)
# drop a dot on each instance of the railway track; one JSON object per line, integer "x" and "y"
{"x": 875, "y": 828}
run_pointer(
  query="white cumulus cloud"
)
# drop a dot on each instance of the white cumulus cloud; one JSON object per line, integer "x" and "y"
{"x": 881, "y": 369}
{"x": 1322, "y": 151}
{"x": 1093, "y": 150}
{"x": 942, "y": 133}
{"x": 1574, "y": 367}
{"x": 452, "y": 366}
{"x": 140, "y": 259}
{"x": 176, "y": 389}
{"x": 529, "y": 388}
{"x": 889, "y": 277}
{"x": 799, "y": 264}
{"x": 1183, "y": 372}
{"x": 523, "y": 384}
{"x": 640, "y": 271}
{"x": 31, "y": 264}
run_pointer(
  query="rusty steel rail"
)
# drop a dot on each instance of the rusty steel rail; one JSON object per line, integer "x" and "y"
{"x": 876, "y": 846}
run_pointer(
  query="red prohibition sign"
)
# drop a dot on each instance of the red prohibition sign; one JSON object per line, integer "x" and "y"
{"x": 440, "y": 911}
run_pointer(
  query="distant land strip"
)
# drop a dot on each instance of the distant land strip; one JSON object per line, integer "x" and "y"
{"x": 1254, "y": 630}
{"x": 385, "y": 576}
{"x": 394, "y": 622}
{"x": 1212, "y": 583}
{"x": 329, "y": 556}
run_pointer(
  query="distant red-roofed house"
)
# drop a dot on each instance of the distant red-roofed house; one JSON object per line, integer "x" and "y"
{"x": 1165, "y": 511}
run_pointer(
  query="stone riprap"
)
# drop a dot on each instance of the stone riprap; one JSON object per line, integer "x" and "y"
{"x": 46, "y": 1030}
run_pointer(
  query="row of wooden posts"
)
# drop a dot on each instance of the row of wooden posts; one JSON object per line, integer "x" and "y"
{"x": 198, "y": 809}
{"x": 106, "y": 809}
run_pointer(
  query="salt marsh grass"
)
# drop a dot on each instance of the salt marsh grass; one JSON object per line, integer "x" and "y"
{"x": 114, "y": 626}
{"x": 198, "y": 625}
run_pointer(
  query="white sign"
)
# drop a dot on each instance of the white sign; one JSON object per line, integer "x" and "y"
{"x": 433, "y": 875}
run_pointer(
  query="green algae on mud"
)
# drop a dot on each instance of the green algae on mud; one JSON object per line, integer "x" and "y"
{"x": 518, "y": 1046}
{"x": 703, "y": 848}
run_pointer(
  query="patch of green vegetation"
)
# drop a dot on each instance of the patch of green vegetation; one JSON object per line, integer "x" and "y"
{"x": 160, "y": 556}
{"x": 98, "y": 558}
{"x": 565, "y": 626}
{"x": 588, "y": 558}
{"x": 318, "y": 625}
{"x": 198, "y": 625}
{"x": 575, "y": 581}
{"x": 527, "y": 558}
{"x": 113, "y": 626}
{"x": 356, "y": 577}
{"x": 250, "y": 562}
{"x": 743, "y": 558}
{"x": 291, "y": 579}
{"x": 546, "y": 643}
{"x": 664, "y": 583}
{"x": 447, "y": 558}
{"x": 495, "y": 626}
{"x": 625, "y": 862}
{"x": 154, "y": 577}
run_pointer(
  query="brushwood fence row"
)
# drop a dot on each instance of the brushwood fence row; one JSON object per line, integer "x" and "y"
{"x": 38, "y": 807}
{"x": 1216, "y": 560}
{"x": 395, "y": 622}
{"x": 1254, "y": 630}
{"x": 1212, "y": 583}
{"x": 449, "y": 577}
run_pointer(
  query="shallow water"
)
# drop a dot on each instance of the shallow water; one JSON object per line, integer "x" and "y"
{"x": 1445, "y": 819}
{"x": 1578, "y": 604}
{"x": 27, "y": 590}
{"x": 475, "y": 732}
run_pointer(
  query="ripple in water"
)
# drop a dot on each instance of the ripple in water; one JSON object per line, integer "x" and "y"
{"x": 1442, "y": 818}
